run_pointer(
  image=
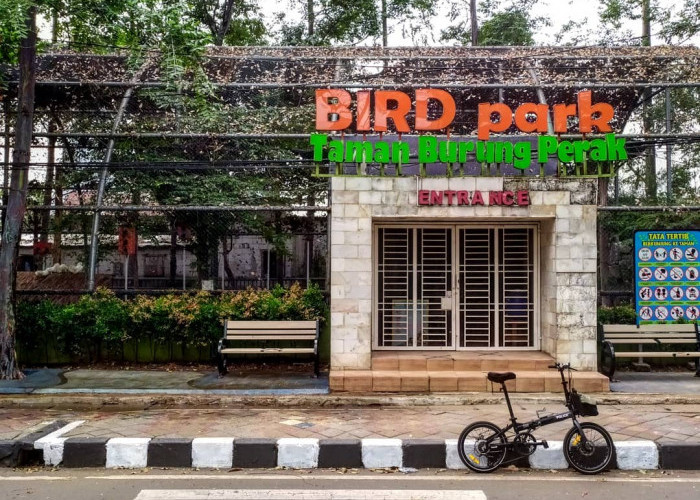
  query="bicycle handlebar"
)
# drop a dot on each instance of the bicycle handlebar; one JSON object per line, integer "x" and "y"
{"x": 560, "y": 367}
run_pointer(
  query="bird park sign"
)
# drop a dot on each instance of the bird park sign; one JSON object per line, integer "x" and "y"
{"x": 334, "y": 113}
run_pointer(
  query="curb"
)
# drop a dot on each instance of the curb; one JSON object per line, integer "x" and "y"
{"x": 22, "y": 451}
{"x": 296, "y": 453}
{"x": 124, "y": 402}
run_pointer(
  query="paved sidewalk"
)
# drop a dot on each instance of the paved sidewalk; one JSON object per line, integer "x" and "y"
{"x": 659, "y": 423}
{"x": 93, "y": 418}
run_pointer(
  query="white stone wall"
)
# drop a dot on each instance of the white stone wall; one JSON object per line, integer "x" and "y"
{"x": 566, "y": 211}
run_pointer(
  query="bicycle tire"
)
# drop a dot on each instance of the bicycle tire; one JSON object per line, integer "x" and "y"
{"x": 480, "y": 460}
{"x": 597, "y": 453}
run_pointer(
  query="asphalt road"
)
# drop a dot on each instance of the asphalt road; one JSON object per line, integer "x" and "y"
{"x": 41, "y": 483}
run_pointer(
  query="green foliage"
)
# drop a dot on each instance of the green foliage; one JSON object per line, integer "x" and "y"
{"x": 509, "y": 25}
{"x": 102, "y": 323}
{"x": 349, "y": 22}
{"x": 335, "y": 21}
{"x": 617, "y": 315}
{"x": 12, "y": 28}
{"x": 506, "y": 28}
{"x": 671, "y": 27}
{"x": 92, "y": 323}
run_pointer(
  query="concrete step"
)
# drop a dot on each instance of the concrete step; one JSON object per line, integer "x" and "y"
{"x": 459, "y": 381}
{"x": 461, "y": 361}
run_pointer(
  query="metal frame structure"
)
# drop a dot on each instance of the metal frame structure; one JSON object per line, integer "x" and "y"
{"x": 542, "y": 74}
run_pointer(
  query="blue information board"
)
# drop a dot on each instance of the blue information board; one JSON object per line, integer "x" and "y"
{"x": 666, "y": 276}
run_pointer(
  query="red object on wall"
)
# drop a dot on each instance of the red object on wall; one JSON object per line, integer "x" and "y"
{"x": 127, "y": 240}
{"x": 42, "y": 248}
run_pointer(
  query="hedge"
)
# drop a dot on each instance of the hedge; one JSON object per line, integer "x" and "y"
{"x": 103, "y": 326}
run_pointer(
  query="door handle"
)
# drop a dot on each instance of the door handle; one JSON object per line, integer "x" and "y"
{"x": 446, "y": 301}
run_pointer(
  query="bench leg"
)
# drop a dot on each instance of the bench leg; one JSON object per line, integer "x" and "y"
{"x": 697, "y": 367}
{"x": 316, "y": 368}
{"x": 607, "y": 360}
{"x": 221, "y": 365}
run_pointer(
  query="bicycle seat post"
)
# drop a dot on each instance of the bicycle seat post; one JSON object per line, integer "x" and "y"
{"x": 502, "y": 378}
{"x": 510, "y": 408}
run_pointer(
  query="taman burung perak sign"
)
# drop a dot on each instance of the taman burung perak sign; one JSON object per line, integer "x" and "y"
{"x": 372, "y": 112}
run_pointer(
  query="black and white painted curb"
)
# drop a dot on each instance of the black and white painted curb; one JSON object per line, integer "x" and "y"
{"x": 54, "y": 449}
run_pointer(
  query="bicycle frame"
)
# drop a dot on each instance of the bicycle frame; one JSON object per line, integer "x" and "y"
{"x": 539, "y": 422}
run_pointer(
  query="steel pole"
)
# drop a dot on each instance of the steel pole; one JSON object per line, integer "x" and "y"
{"x": 669, "y": 150}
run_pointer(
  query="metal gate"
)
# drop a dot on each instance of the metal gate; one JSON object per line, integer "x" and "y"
{"x": 456, "y": 287}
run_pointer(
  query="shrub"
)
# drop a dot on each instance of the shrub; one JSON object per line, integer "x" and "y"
{"x": 92, "y": 323}
{"x": 104, "y": 323}
{"x": 623, "y": 315}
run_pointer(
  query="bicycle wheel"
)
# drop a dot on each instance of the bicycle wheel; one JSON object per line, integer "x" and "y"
{"x": 475, "y": 446}
{"x": 592, "y": 455}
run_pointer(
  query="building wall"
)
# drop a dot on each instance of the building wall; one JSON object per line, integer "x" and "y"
{"x": 245, "y": 258}
{"x": 565, "y": 210}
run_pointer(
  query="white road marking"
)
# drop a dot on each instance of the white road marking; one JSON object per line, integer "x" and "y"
{"x": 38, "y": 478}
{"x": 310, "y": 495}
{"x": 391, "y": 477}
{"x": 52, "y": 444}
{"x": 39, "y": 443}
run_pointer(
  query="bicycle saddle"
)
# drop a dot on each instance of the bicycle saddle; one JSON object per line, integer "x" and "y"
{"x": 499, "y": 378}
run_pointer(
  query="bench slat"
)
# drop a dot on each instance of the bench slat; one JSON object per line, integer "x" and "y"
{"x": 266, "y": 350}
{"x": 268, "y": 325}
{"x": 644, "y": 329}
{"x": 649, "y": 335}
{"x": 631, "y": 354}
{"x": 271, "y": 331}
{"x": 271, "y": 337}
{"x": 652, "y": 341}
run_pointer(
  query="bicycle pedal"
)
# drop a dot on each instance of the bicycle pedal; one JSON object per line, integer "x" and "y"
{"x": 545, "y": 445}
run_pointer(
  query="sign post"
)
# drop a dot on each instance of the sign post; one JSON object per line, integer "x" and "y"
{"x": 127, "y": 247}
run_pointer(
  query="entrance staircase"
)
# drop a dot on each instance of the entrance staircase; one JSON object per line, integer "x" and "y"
{"x": 432, "y": 371}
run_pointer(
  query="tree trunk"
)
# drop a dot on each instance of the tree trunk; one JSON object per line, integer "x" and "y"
{"x": 48, "y": 184}
{"x": 17, "y": 200}
{"x": 225, "y": 250}
{"x": 310, "y": 17}
{"x": 173, "y": 254}
{"x": 226, "y": 14}
{"x": 58, "y": 201}
{"x": 650, "y": 159}
{"x": 472, "y": 19}
{"x": 385, "y": 29}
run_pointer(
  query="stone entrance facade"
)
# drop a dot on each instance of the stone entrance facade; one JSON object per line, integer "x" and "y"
{"x": 564, "y": 212}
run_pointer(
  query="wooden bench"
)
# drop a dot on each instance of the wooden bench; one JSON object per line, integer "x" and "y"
{"x": 255, "y": 335}
{"x": 614, "y": 336}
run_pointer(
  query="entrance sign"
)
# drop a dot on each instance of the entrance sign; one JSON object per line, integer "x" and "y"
{"x": 666, "y": 269}
{"x": 448, "y": 197}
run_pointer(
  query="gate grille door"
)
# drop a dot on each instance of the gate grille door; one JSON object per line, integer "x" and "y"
{"x": 494, "y": 287}
{"x": 476, "y": 273}
{"x": 414, "y": 287}
{"x": 434, "y": 266}
{"x": 516, "y": 297}
{"x": 395, "y": 287}
{"x": 497, "y": 283}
